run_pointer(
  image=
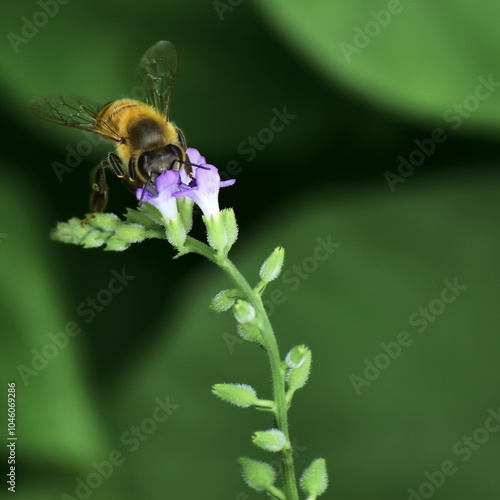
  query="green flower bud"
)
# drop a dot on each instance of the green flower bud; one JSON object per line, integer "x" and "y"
{"x": 244, "y": 312}
{"x": 241, "y": 395}
{"x": 229, "y": 221}
{"x": 71, "y": 232}
{"x": 105, "y": 221}
{"x": 250, "y": 332}
{"x": 270, "y": 440}
{"x": 258, "y": 475}
{"x": 109, "y": 230}
{"x": 314, "y": 480}
{"x": 224, "y": 300}
{"x": 296, "y": 356}
{"x": 185, "y": 207}
{"x": 216, "y": 232}
{"x": 144, "y": 219}
{"x": 116, "y": 244}
{"x": 95, "y": 239}
{"x": 176, "y": 232}
{"x": 297, "y": 377}
{"x": 132, "y": 233}
{"x": 271, "y": 268}
{"x": 152, "y": 212}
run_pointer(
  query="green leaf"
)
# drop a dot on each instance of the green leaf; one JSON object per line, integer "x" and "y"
{"x": 58, "y": 421}
{"x": 418, "y": 57}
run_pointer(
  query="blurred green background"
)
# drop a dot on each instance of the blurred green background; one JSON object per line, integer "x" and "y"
{"x": 370, "y": 85}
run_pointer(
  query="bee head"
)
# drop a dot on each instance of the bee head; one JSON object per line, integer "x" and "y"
{"x": 155, "y": 162}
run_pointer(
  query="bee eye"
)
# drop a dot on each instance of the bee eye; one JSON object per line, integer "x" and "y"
{"x": 143, "y": 163}
{"x": 182, "y": 140}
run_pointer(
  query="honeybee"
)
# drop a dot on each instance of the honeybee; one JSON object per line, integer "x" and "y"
{"x": 147, "y": 143}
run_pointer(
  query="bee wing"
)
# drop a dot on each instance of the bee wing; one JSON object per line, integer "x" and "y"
{"x": 156, "y": 74}
{"x": 73, "y": 111}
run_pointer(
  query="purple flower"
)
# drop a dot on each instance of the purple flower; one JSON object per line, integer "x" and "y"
{"x": 204, "y": 188}
{"x": 166, "y": 185}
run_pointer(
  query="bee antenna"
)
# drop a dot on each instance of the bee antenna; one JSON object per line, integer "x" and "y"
{"x": 193, "y": 164}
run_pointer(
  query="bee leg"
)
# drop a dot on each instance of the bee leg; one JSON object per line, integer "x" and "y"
{"x": 131, "y": 169}
{"x": 116, "y": 165}
{"x": 99, "y": 192}
{"x": 99, "y": 188}
{"x": 130, "y": 180}
{"x": 188, "y": 169}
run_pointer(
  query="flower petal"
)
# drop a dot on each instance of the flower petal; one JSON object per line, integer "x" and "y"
{"x": 166, "y": 185}
{"x": 205, "y": 193}
{"x": 195, "y": 157}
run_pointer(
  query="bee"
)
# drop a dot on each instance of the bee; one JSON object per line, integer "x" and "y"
{"x": 147, "y": 143}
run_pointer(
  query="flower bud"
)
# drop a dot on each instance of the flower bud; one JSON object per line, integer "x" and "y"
{"x": 224, "y": 300}
{"x": 185, "y": 207}
{"x": 258, "y": 475}
{"x": 105, "y": 221}
{"x": 241, "y": 395}
{"x": 95, "y": 239}
{"x": 216, "y": 232}
{"x": 116, "y": 244}
{"x": 296, "y": 356}
{"x": 152, "y": 212}
{"x": 297, "y": 377}
{"x": 314, "y": 480}
{"x": 271, "y": 268}
{"x": 132, "y": 233}
{"x": 250, "y": 332}
{"x": 72, "y": 231}
{"x": 243, "y": 311}
{"x": 142, "y": 217}
{"x": 176, "y": 232}
{"x": 270, "y": 440}
{"x": 229, "y": 221}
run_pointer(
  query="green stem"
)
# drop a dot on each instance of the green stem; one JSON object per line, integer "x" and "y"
{"x": 277, "y": 371}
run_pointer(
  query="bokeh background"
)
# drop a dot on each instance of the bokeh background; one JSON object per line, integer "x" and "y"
{"x": 364, "y": 81}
